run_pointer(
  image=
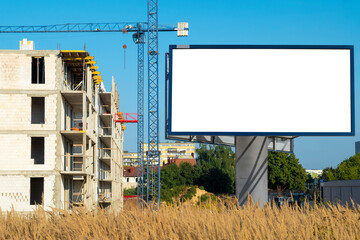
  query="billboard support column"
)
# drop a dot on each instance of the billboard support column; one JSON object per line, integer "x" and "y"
{"x": 251, "y": 169}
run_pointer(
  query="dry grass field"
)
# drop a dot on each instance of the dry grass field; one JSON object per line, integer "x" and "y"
{"x": 186, "y": 221}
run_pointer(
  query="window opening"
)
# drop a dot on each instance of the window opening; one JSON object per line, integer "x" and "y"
{"x": 36, "y": 190}
{"x": 37, "y": 110}
{"x": 38, "y": 149}
{"x": 37, "y": 70}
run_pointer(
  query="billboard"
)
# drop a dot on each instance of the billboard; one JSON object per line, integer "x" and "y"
{"x": 257, "y": 90}
{"x": 278, "y": 143}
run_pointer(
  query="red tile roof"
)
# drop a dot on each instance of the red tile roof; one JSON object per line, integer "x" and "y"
{"x": 178, "y": 161}
{"x": 130, "y": 172}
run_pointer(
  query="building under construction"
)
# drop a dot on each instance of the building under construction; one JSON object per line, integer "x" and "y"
{"x": 60, "y": 145}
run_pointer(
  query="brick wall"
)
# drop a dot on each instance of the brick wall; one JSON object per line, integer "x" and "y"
{"x": 15, "y": 192}
{"x": 16, "y": 130}
{"x": 15, "y": 70}
{"x": 15, "y": 112}
{"x": 15, "y": 153}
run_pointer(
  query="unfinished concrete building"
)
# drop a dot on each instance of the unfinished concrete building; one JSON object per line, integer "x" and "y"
{"x": 60, "y": 145}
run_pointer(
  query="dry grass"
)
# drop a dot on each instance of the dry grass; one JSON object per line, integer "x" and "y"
{"x": 209, "y": 221}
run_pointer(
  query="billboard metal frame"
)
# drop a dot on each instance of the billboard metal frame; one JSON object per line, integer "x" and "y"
{"x": 217, "y": 140}
{"x": 168, "y": 89}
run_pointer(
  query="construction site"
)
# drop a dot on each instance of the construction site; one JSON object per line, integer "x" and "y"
{"x": 179, "y": 120}
{"x": 63, "y": 144}
{"x": 58, "y": 115}
{"x": 60, "y": 118}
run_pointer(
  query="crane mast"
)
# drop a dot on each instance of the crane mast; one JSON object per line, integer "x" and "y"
{"x": 153, "y": 153}
{"x": 139, "y": 39}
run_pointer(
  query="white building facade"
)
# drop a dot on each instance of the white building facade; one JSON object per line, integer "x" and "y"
{"x": 59, "y": 143}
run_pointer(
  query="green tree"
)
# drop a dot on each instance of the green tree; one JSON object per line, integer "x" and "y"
{"x": 328, "y": 174}
{"x": 175, "y": 180}
{"x": 285, "y": 172}
{"x": 215, "y": 169}
{"x": 349, "y": 168}
{"x": 171, "y": 177}
{"x": 346, "y": 170}
{"x": 187, "y": 173}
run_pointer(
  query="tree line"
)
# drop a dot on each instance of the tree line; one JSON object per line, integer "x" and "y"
{"x": 346, "y": 170}
{"x": 215, "y": 172}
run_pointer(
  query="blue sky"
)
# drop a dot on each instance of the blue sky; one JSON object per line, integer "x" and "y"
{"x": 210, "y": 22}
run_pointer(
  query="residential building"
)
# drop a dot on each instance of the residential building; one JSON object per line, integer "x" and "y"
{"x": 178, "y": 161}
{"x": 168, "y": 150}
{"x": 129, "y": 158}
{"x": 130, "y": 177}
{"x": 315, "y": 173}
{"x": 60, "y": 145}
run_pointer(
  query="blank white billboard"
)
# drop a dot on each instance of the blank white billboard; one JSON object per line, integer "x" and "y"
{"x": 261, "y": 90}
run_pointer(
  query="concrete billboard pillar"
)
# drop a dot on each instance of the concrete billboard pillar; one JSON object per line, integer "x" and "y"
{"x": 251, "y": 169}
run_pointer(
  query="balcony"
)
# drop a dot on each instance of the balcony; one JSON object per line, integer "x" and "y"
{"x": 78, "y": 197}
{"x": 105, "y": 171}
{"x": 105, "y": 98}
{"x": 73, "y": 165}
{"x": 76, "y": 137}
{"x": 105, "y": 197}
{"x": 105, "y": 193}
{"x": 73, "y": 66}
{"x": 105, "y": 115}
{"x": 105, "y": 154}
{"x": 105, "y": 131}
{"x": 105, "y": 175}
{"x": 75, "y": 99}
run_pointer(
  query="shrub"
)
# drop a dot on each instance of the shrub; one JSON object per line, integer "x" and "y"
{"x": 204, "y": 198}
{"x": 190, "y": 193}
{"x": 130, "y": 191}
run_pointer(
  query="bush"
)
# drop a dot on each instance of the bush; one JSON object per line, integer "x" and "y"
{"x": 190, "y": 193}
{"x": 168, "y": 194}
{"x": 204, "y": 198}
{"x": 130, "y": 191}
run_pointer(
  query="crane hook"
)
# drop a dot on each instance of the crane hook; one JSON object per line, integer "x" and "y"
{"x": 124, "y": 47}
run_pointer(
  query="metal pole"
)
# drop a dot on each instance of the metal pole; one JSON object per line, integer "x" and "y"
{"x": 140, "y": 126}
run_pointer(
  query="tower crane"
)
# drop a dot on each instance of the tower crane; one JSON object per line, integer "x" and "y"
{"x": 138, "y": 29}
